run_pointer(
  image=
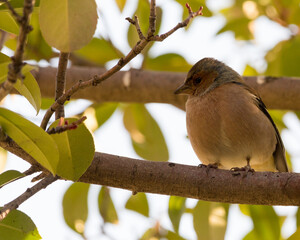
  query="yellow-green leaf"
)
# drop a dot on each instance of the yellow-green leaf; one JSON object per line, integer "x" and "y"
{"x": 33, "y": 139}
{"x": 167, "y": 62}
{"x": 121, "y": 4}
{"x": 98, "y": 51}
{"x": 138, "y": 203}
{"x": 266, "y": 222}
{"x": 75, "y": 206}
{"x": 106, "y": 206}
{"x": 8, "y": 23}
{"x": 283, "y": 58}
{"x": 295, "y": 235}
{"x": 17, "y": 225}
{"x": 250, "y": 71}
{"x": 146, "y": 136}
{"x": 210, "y": 220}
{"x": 104, "y": 111}
{"x": 4, "y": 58}
{"x": 76, "y": 150}
{"x": 30, "y": 90}
{"x": 68, "y": 25}
{"x": 176, "y": 209}
{"x": 9, "y": 176}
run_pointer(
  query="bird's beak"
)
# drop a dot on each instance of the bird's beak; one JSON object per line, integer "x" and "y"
{"x": 184, "y": 89}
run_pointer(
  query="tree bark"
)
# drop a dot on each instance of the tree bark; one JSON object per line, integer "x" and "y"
{"x": 158, "y": 87}
{"x": 263, "y": 188}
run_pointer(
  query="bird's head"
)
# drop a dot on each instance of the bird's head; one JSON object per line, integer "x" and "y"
{"x": 206, "y": 74}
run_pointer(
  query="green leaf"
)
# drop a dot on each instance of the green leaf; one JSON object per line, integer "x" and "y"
{"x": 283, "y": 58}
{"x": 76, "y": 150}
{"x": 46, "y": 103}
{"x": 98, "y": 51}
{"x": 158, "y": 232}
{"x": 295, "y": 235}
{"x": 266, "y": 222}
{"x": 176, "y": 209}
{"x": 4, "y": 58}
{"x": 18, "y": 225}
{"x": 68, "y": 25}
{"x": 167, "y": 62}
{"x": 298, "y": 217}
{"x": 250, "y": 71}
{"x": 75, "y": 206}
{"x": 210, "y": 220}
{"x": 3, "y": 71}
{"x": 121, "y": 4}
{"x": 146, "y": 136}
{"x": 240, "y": 28}
{"x": 138, "y": 203}
{"x": 30, "y": 90}
{"x": 104, "y": 111}
{"x": 36, "y": 47}
{"x": 9, "y": 176}
{"x": 277, "y": 116}
{"x": 8, "y": 23}
{"x": 107, "y": 207}
{"x": 33, "y": 139}
{"x": 173, "y": 236}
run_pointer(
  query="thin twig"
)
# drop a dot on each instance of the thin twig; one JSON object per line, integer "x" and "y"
{"x": 136, "y": 23}
{"x": 71, "y": 126}
{"x": 14, "y": 68}
{"x": 152, "y": 20}
{"x": 179, "y": 25}
{"x": 61, "y": 82}
{"x": 14, "y": 204}
{"x": 121, "y": 63}
{"x": 13, "y": 12}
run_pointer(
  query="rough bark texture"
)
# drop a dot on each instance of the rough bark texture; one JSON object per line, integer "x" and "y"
{"x": 158, "y": 87}
{"x": 266, "y": 188}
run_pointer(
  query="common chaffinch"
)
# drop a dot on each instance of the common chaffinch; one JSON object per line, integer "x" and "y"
{"x": 227, "y": 122}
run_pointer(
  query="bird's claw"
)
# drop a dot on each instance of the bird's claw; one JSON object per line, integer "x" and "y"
{"x": 246, "y": 169}
{"x": 209, "y": 166}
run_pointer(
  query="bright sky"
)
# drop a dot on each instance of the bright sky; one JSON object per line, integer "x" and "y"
{"x": 45, "y": 208}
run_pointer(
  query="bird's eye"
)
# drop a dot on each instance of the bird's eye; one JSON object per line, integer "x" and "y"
{"x": 196, "y": 81}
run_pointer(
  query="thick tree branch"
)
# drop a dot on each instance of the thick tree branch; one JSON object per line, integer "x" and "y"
{"x": 158, "y": 87}
{"x": 265, "y": 188}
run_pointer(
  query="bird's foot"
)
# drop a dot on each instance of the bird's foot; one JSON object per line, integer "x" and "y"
{"x": 209, "y": 166}
{"x": 245, "y": 170}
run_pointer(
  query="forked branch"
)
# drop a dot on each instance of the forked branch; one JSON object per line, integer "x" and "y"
{"x": 123, "y": 61}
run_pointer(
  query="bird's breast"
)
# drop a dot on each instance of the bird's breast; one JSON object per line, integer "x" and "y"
{"x": 226, "y": 127}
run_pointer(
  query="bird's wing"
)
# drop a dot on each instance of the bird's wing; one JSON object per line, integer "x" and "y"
{"x": 279, "y": 153}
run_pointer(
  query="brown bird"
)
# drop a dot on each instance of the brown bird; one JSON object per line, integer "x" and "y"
{"x": 227, "y": 122}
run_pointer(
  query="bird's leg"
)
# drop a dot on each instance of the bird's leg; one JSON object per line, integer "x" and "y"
{"x": 246, "y": 169}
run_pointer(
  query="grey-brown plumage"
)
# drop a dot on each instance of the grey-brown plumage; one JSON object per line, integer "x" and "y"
{"x": 227, "y": 122}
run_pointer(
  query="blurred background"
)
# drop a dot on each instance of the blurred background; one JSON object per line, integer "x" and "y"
{"x": 259, "y": 37}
